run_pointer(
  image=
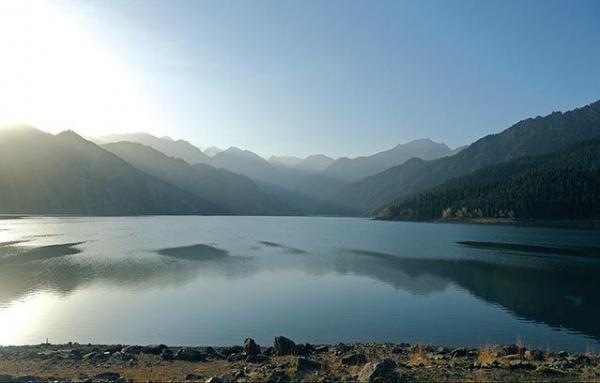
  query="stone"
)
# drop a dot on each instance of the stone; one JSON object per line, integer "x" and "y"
{"x": 354, "y": 359}
{"x": 193, "y": 377}
{"x": 536, "y": 355}
{"x": 108, "y": 377}
{"x": 377, "y": 371}
{"x": 306, "y": 365}
{"x": 154, "y": 349}
{"x": 258, "y": 358}
{"x": 321, "y": 349}
{"x": 131, "y": 350}
{"x": 518, "y": 365}
{"x": 563, "y": 354}
{"x": 278, "y": 376}
{"x": 250, "y": 347}
{"x": 234, "y": 357}
{"x": 459, "y": 352}
{"x": 284, "y": 346}
{"x": 167, "y": 354}
{"x": 214, "y": 379}
{"x": 189, "y": 355}
{"x": 232, "y": 350}
{"x": 305, "y": 349}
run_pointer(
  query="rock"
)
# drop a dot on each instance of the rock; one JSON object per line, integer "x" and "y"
{"x": 511, "y": 349}
{"x": 29, "y": 379}
{"x": 305, "y": 349}
{"x": 232, "y": 350}
{"x": 377, "y": 371}
{"x": 131, "y": 350}
{"x": 234, "y": 357}
{"x": 193, "y": 377}
{"x": 284, "y": 346}
{"x": 269, "y": 351}
{"x": 354, "y": 359}
{"x": 563, "y": 354}
{"x": 258, "y": 358}
{"x": 321, "y": 349}
{"x": 517, "y": 365}
{"x": 167, "y": 354}
{"x": 189, "y": 355}
{"x": 154, "y": 349}
{"x": 550, "y": 371}
{"x": 536, "y": 355}
{"x": 113, "y": 348}
{"x": 214, "y": 379}
{"x": 442, "y": 350}
{"x": 306, "y": 365}
{"x": 278, "y": 376}
{"x": 109, "y": 377}
{"x": 459, "y": 352}
{"x": 250, "y": 347}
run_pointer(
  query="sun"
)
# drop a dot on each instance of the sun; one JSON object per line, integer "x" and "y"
{"x": 56, "y": 75}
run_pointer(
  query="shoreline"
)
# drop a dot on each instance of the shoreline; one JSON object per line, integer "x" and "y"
{"x": 556, "y": 224}
{"x": 286, "y": 361}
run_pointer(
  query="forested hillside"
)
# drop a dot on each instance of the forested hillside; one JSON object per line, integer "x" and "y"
{"x": 561, "y": 185}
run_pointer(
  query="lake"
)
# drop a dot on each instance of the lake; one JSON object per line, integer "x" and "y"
{"x": 216, "y": 280}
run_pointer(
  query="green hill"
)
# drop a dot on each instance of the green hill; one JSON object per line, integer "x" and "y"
{"x": 560, "y": 185}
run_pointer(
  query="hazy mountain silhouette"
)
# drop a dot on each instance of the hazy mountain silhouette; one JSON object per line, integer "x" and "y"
{"x": 236, "y": 193}
{"x": 65, "y": 174}
{"x": 178, "y": 149}
{"x": 212, "y": 150}
{"x": 533, "y": 136}
{"x": 344, "y": 171}
{"x": 284, "y": 161}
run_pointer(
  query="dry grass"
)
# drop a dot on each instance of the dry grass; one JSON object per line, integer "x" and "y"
{"x": 418, "y": 356}
{"x": 487, "y": 355}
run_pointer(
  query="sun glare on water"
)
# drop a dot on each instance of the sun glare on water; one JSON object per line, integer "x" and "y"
{"x": 55, "y": 75}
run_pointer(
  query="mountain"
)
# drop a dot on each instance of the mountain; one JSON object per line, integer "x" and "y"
{"x": 245, "y": 162}
{"x": 347, "y": 169}
{"x": 530, "y": 137}
{"x": 284, "y": 161}
{"x": 314, "y": 164}
{"x": 560, "y": 185}
{"x": 65, "y": 174}
{"x": 236, "y": 193}
{"x": 212, "y": 150}
{"x": 178, "y": 149}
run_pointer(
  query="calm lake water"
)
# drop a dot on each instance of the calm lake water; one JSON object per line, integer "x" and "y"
{"x": 216, "y": 280}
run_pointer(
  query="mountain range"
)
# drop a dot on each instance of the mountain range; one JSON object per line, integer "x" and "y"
{"x": 143, "y": 174}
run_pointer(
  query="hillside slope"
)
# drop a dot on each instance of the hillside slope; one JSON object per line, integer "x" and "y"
{"x": 530, "y": 137}
{"x": 42, "y": 173}
{"x": 236, "y": 193}
{"x": 560, "y": 185}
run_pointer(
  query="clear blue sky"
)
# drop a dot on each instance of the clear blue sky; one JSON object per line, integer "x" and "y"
{"x": 351, "y": 77}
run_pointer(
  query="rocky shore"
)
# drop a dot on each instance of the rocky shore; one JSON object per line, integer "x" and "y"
{"x": 286, "y": 361}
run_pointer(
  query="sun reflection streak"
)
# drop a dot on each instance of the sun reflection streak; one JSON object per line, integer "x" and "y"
{"x": 22, "y": 320}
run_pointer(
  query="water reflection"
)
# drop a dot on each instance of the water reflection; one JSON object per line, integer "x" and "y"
{"x": 546, "y": 290}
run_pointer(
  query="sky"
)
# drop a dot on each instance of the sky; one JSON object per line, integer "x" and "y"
{"x": 343, "y": 78}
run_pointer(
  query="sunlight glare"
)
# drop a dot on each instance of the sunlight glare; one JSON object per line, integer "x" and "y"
{"x": 56, "y": 76}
